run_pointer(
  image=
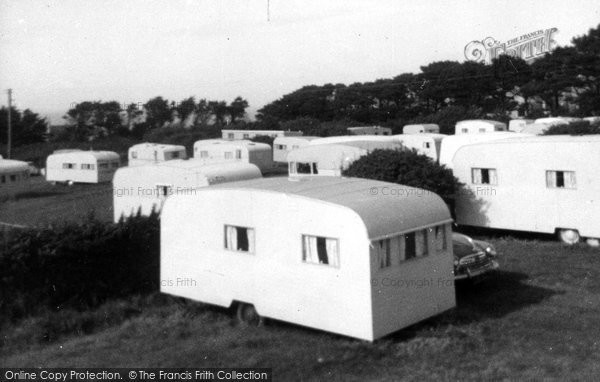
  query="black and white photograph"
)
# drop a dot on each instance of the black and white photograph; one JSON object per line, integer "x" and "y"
{"x": 287, "y": 190}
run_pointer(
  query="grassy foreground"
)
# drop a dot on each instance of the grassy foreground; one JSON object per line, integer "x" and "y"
{"x": 537, "y": 318}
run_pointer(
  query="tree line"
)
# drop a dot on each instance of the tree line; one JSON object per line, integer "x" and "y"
{"x": 564, "y": 82}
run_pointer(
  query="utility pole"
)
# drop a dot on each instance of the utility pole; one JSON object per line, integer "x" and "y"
{"x": 9, "y": 140}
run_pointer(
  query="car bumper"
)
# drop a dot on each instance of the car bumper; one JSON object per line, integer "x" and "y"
{"x": 469, "y": 273}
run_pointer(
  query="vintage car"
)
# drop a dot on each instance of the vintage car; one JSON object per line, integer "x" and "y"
{"x": 472, "y": 258}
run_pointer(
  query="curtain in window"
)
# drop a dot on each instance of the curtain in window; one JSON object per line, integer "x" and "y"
{"x": 551, "y": 179}
{"x": 332, "y": 252}
{"x": 570, "y": 179}
{"x": 421, "y": 245}
{"x": 476, "y": 174}
{"x": 493, "y": 176}
{"x": 310, "y": 249}
{"x": 250, "y": 233}
{"x": 231, "y": 237}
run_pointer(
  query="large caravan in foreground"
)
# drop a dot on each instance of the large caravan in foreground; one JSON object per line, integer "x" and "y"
{"x": 145, "y": 153}
{"x": 142, "y": 189}
{"x": 544, "y": 184}
{"x": 375, "y": 265}
{"x": 78, "y": 166}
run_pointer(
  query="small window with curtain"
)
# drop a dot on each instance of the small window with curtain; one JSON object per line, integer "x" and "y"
{"x": 440, "y": 239}
{"x": 239, "y": 239}
{"x": 238, "y": 154}
{"x": 320, "y": 250}
{"x": 561, "y": 179}
{"x": 484, "y": 176}
{"x": 203, "y": 154}
{"x": 228, "y": 155}
{"x": 383, "y": 248}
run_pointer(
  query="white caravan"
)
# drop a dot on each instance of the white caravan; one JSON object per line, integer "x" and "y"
{"x": 422, "y": 128}
{"x": 320, "y": 252}
{"x": 234, "y": 135}
{"x": 78, "y": 166}
{"x": 428, "y": 144}
{"x": 540, "y": 184}
{"x": 14, "y": 176}
{"x": 219, "y": 151}
{"x": 475, "y": 126}
{"x": 536, "y": 128}
{"x": 283, "y": 145}
{"x": 144, "y": 153}
{"x": 557, "y": 120}
{"x": 145, "y": 188}
{"x": 452, "y": 143}
{"x": 332, "y": 159}
{"x": 343, "y": 139}
{"x": 369, "y": 130}
{"x": 517, "y": 125}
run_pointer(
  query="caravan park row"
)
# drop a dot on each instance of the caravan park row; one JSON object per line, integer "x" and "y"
{"x": 540, "y": 184}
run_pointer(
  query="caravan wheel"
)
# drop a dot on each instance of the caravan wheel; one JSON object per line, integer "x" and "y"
{"x": 569, "y": 236}
{"x": 593, "y": 242}
{"x": 247, "y": 314}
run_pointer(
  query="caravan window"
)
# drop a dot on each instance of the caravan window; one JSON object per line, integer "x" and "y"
{"x": 426, "y": 145}
{"x": 464, "y": 130}
{"x": 68, "y": 166}
{"x": 85, "y": 166}
{"x": 320, "y": 250}
{"x": 383, "y": 249}
{"x": 440, "y": 239}
{"x": 134, "y": 154}
{"x": 239, "y": 238}
{"x": 163, "y": 190}
{"x": 175, "y": 154}
{"x": 228, "y": 155}
{"x": 561, "y": 179}
{"x": 203, "y": 154}
{"x": 307, "y": 168}
{"x": 3, "y": 179}
{"x": 13, "y": 178}
{"x": 103, "y": 165}
{"x": 482, "y": 130}
{"x": 484, "y": 176}
{"x": 280, "y": 147}
{"x": 238, "y": 154}
{"x": 246, "y": 136}
{"x": 115, "y": 164}
{"x": 230, "y": 136}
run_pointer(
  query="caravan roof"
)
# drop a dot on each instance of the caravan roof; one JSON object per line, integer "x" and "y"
{"x": 382, "y": 216}
{"x": 452, "y": 143}
{"x": 10, "y": 165}
{"x": 342, "y": 139}
{"x": 93, "y": 155}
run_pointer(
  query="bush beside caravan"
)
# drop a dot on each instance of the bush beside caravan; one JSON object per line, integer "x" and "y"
{"x": 385, "y": 262}
{"x": 538, "y": 184}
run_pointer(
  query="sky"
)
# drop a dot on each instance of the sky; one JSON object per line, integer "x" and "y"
{"x": 57, "y": 53}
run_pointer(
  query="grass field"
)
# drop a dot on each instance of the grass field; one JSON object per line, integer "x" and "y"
{"x": 536, "y": 318}
{"x": 44, "y": 204}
